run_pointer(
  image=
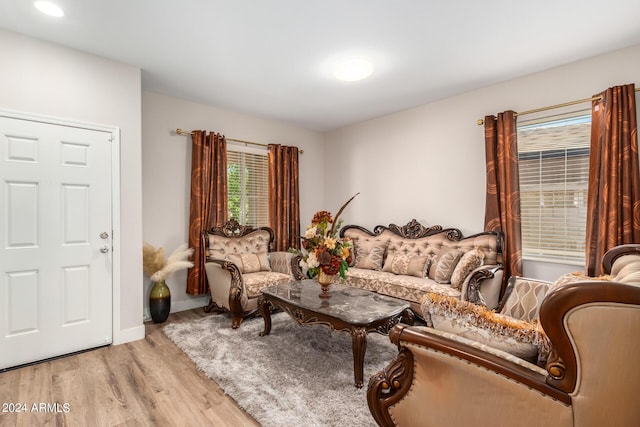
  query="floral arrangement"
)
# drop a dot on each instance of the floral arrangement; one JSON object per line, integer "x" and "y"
{"x": 158, "y": 268}
{"x": 323, "y": 250}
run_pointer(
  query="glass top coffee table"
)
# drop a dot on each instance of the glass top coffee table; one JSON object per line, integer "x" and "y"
{"x": 354, "y": 310}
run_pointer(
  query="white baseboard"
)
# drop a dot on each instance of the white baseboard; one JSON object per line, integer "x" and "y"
{"x": 128, "y": 335}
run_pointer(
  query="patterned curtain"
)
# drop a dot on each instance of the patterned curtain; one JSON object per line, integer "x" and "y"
{"x": 502, "y": 209}
{"x": 613, "y": 203}
{"x": 284, "y": 199}
{"x": 208, "y": 189}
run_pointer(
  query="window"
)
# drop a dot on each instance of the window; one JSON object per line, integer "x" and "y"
{"x": 553, "y": 156}
{"x": 248, "y": 187}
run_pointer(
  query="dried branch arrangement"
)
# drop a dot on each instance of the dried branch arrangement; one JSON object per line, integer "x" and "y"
{"x": 158, "y": 268}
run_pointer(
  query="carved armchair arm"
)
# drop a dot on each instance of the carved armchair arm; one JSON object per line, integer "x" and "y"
{"x": 226, "y": 285}
{"x": 287, "y": 263}
{"x": 435, "y": 374}
{"x": 483, "y": 286}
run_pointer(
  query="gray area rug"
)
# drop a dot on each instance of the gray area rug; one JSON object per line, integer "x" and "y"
{"x": 297, "y": 375}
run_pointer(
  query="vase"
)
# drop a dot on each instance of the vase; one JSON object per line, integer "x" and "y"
{"x": 160, "y": 301}
{"x": 325, "y": 281}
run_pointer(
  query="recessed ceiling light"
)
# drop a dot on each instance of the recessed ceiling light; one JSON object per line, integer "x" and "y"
{"x": 352, "y": 70}
{"x": 49, "y": 8}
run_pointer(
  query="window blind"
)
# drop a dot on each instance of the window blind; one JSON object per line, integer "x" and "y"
{"x": 554, "y": 176}
{"x": 248, "y": 187}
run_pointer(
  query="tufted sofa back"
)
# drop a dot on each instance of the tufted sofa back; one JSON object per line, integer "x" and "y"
{"x": 220, "y": 247}
{"x": 490, "y": 242}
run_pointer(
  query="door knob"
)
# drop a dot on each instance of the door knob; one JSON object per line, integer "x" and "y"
{"x": 104, "y": 249}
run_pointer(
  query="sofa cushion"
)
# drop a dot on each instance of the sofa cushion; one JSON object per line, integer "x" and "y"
{"x": 369, "y": 253}
{"x": 518, "y": 337}
{"x": 250, "y": 263}
{"x": 445, "y": 264}
{"x": 470, "y": 261}
{"x": 409, "y": 288}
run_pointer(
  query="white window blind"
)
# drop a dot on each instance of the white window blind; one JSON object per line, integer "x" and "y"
{"x": 554, "y": 176}
{"x": 248, "y": 187}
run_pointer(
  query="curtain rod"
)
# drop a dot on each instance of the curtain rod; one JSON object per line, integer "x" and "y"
{"x": 183, "y": 132}
{"x": 480, "y": 122}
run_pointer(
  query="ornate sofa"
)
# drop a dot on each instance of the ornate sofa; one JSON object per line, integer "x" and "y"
{"x": 239, "y": 264}
{"x": 590, "y": 379}
{"x": 410, "y": 261}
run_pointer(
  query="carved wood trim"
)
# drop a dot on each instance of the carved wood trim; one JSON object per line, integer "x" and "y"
{"x": 233, "y": 228}
{"x": 391, "y": 384}
{"x": 562, "y": 365}
{"x": 473, "y": 287}
{"x": 296, "y": 268}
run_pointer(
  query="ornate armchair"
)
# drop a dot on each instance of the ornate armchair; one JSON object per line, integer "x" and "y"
{"x": 239, "y": 264}
{"x": 591, "y": 377}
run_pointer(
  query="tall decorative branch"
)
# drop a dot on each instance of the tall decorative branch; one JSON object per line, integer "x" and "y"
{"x": 335, "y": 219}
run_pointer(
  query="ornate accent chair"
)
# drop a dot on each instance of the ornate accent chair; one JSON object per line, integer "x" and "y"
{"x": 239, "y": 264}
{"x": 591, "y": 378}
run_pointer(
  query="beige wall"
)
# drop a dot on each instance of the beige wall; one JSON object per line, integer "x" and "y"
{"x": 166, "y": 166}
{"x": 428, "y": 162}
{"x": 45, "y": 79}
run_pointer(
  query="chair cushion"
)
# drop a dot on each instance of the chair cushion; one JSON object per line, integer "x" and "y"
{"x": 255, "y": 282}
{"x": 518, "y": 337}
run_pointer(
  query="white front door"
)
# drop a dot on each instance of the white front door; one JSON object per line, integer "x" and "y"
{"x": 55, "y": 240}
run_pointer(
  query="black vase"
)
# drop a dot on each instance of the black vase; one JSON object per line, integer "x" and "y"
{"x": 160, "y": 301}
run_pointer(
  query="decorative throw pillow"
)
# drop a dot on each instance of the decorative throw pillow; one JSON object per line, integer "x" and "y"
{"x": 524, "y": 297}
{"x": 370, "y": 254}
{"x": 469, "y": 262}
{"x": 250, "y": 263}
{"x": 518, "y": 337}
{"x": 410, "y": 265}
{"x": 393, "y": 248}
{"x": 447, "y": 262}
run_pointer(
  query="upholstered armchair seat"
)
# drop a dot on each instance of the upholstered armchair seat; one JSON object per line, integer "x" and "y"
{"x": 591, "y": 377}
{"x": 240, "y": 263}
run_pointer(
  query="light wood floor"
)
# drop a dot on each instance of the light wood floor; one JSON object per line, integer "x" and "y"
{"x": 148, "y": 382}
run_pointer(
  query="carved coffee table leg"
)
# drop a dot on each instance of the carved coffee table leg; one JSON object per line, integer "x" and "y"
{"x": 408, "y": 317}
{"x": 359, "y": 344}
{"x": 265, "y": 311}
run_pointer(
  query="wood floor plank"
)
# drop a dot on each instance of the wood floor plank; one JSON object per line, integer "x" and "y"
{"x": 148, "y": 382}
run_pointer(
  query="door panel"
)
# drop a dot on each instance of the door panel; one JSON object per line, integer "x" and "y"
{"x": 55, "y": 282}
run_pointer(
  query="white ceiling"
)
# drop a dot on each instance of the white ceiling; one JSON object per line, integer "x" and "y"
{"x": 272, "y": 58}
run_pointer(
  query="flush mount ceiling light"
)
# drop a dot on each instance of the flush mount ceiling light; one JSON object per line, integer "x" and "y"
{"x": 49, "y": 8}
{"x": 353, "y": 69}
